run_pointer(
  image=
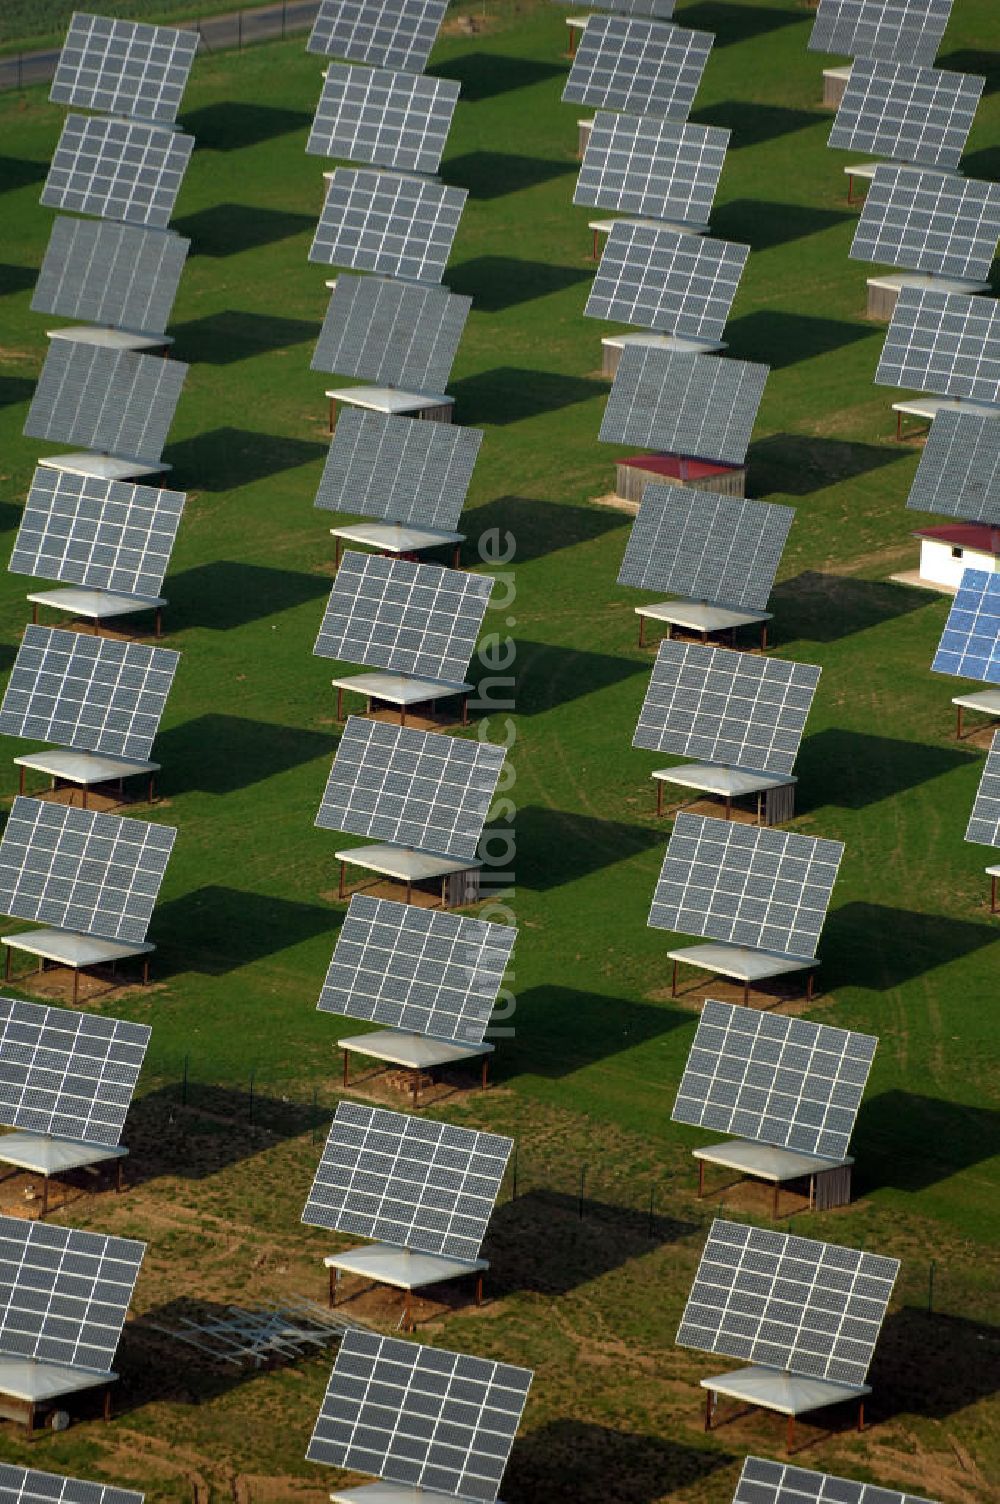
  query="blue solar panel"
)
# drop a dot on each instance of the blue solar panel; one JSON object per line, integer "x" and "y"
{"x": 970, "y": 642}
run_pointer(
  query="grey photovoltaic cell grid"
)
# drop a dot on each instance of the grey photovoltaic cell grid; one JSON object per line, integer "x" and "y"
{"x": 984, "y": 822}
{"x": 782, "y": 1081}
{"x": 108, "y": 273}
{"x": 67, "y": 1073}
{"x": 898, "y": 31}
{"x": 659, "y": 10}
{"x": 746, "y": 885}
{"x": 110, "y": 400}
{"x": 911, "y": 114}
{"x": 413, "y": 788}
{"x": 659, "y": 279}
{"x": 386, "y": 33}
{"x": 970, "y": 642}
{"x": 423, "y": 970}
{"x": 943, "y": 342}
{"x": 664, "y": 169}
{"x": 124, "y": 67}
{"x": 95, "y": 694}
{"x": 391, "y": 119}
{"x": 726, "y": 707}
{"x": 764, "y": 1482}
{"x": 399, "y": 469}
{"x": 959, "y": 470}
{"x": 641, "y": 66}
{"x": 724, "y": 549}
{"x": 405, "y": 617}
{"x": 409, "y": 1181}
{"x": 105, "y": 534}
{"x": 693, "y": 405}
{"x": 420, "y": 1415}
{"x": 27, "y": 1485}
{"x": 929, "y": 222}
{"x": 117, "y": 169}
{"x": 81, "y": 870}
{"x": 378, "y": 222}
{"x": 387, "y": 332}
{"x": 64, "y": 1293}
{"x": 790, "y": 1303}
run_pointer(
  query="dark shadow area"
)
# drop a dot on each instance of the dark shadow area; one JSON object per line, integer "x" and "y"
{"x": 220, "y": 753}
{"x": 984, "y": 163}
{"x": 910, "y": 1141}
{"x": 783, "y": 339}
{"x": 762, "y": 224}
{"x": 555, "y": 847}
{"x": 215, "y": 930}
{"x": 590, "y": 1464}
{"x": 933, "y": 1364}
{"x": 735, "y": 23}
{"x": 507, "y": 394}
{"x": 561, "y": 1030}
{"x": 14, "y": 389}
{"x": 219, "y": 339}
{"x": 10, "y": 518}
{"x": 551, "y": 1241}
{"x": 18, "y": 172}
{"x": 227, "y": 229}
{"x": 794, "y": 464}
{"x": 542, "y": 527}
{"x": 484, "y": 75}
{"x": 974, "y": 60}
{"x": 499, "y": 282}
{"x": 549, "y": 675}
{"x": 225, "y": 458}
{"x": 852, "y": 769}
{"x": 872, "y": 945}
{"x": 753, "y": 123}
{"x": 817, "y": 607}
{"x": 224, "y": 595}
{"x": 492, "y": 174}
{"x": 235, "y": 124}
{"x": 16, "y": 278}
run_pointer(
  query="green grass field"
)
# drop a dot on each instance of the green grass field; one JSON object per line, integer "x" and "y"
{"x": 248, "y": 915}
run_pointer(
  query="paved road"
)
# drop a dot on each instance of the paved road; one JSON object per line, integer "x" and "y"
{"x": 218, "y": 33}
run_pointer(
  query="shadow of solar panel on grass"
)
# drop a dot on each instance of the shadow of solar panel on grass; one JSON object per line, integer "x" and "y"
{"x": 10, "y": 517}
{"x": 591, "y": 1464}
{"x": 541, "y": 527}
{"x": 224, "y": 458}
{"x": 236, "y": 124}
{"x": 492, "y": 174}
{"x": 227, "y": 229}
{"x": 762, "y": 224}
{"x": 484, "y": 75}
{"x": 498, "y": 282}
{"x": 15, "y": 389}
{"x": 973, "y": 60}
{"x": 783, "y": 339}
{"x": 509, "y": 394}
{"x": 214, "y": 930}
{"x": 853, "y": 769}
{"x": 816, "y": 607}
{"x": 984, "y": 163}
{"x": 559, "y": 1030}
{"x": 793, "y": 464}
{"x": 16, "y": 278}
{"x": 217, "y": 754}
{"x": 752, "y": 124}
{"x": 19, "y": 172}
{"x": 933, "y": 1363}
{"x": 220, "y": 339}
{"x": 549, "y": 675}
{"x": 224, "y": 595}
{"x": 875, "y": 946}
{"x": 908, "y": 1141}
{"x": 555, "y": 847}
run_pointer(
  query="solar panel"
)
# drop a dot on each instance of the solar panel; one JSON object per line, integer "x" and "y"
{"x": 96, "y": 694}
{"x": 694, "y": 405}
{"x": 117, "y": 169}
{"x": 970, "y": 642}
{"x": 80, "y": 870}
{"x": 111, "y": 400}
{"x": 423, "y": 970}
{"x": 398, "y": 469}
{"x": 763, "y": 1482}
{"x": 929, "y": 222}
{"x": 898, "y": 31}
{"x": 745, "y": 885}
{"x": 659, "y": 279}
{"x": 789, "y": 1303}
{"x": 725, "y": 707}
{"x": 396, "y": 226}
{"x": 715, "y": 548}
{"x": 641, "y": 66}
{"x": 420, "y": 1416}
{"x": 391, "y": 119}
{"x": 659, "y": 10}
{"x": 124, "y": 67}
{"x": 645, "y": 165}
{"x": 912, "y": 114}
{"x": 105, "y": 534}
{"x": 110, "y": 274}
{"x": 414, "y": 788}
{"x": 406, "y": 617}
{"x": 984, "y": 822}
{"x": 776, "y": 1080}
{"x": 387, "y": 332}
{"x": 959, "y": 470}
{"x": 66, "y": 1073}
{"x": 408, "y": 1181}
{"x": 64, "y": 1293}
{"x": 26, "y": 1485}
{"x": 943, "y": 342}
{"x": 386, "y": 33}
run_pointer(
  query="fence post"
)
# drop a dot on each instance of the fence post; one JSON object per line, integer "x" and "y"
{"x": 930, "y": 1289}
{"x": 184, "y": 1084}
{"x": 583, "y": 1178}
{"x": 251, "y": 1095}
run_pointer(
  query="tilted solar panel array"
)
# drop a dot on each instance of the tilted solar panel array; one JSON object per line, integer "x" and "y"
{"x": 28, "y": 1485}
{"x": 917, "y": 115}
{"x": 670, "y": 282}
{"x": 638, "y": 65}
{"x": 896, "y": 31}
{"x": 663, "y": 169}
{"x": 929, "y": 222}
{"x": 984, "y": 822}
{"x": 765, "y": 1482}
